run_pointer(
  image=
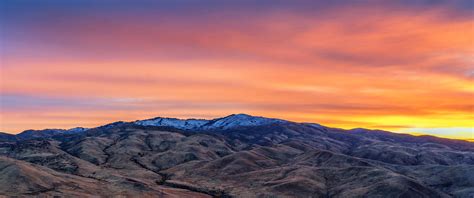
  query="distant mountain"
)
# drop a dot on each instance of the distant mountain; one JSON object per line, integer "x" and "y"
{"x": 228, "y": 122}
{"x": 235, "y": 156}
{"x": 45, "y": 133}
{"x": 7, "y": 137}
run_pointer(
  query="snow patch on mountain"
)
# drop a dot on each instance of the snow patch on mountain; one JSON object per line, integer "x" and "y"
{"x": 228, "y": 122}
{"x": 239, "y": 120}
{"x": 185, "y": 124}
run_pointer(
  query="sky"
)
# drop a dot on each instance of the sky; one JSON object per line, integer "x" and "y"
{"x": 403, "y": 66}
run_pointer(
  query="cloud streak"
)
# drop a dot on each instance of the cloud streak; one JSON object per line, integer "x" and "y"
{"x": 359, "y": 64}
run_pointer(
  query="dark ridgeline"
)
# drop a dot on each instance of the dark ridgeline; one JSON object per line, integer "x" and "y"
{"x": 235, "y": 156}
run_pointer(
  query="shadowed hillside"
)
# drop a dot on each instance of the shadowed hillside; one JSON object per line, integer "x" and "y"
{"x": 235, "y": 156}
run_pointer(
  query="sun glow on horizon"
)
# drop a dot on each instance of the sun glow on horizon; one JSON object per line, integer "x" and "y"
{"x": 403, "y": 67}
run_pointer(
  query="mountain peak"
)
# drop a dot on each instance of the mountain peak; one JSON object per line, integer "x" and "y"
{"x": 236, "y": 120}
{"x": 240, "y": 115}
{"x": 227, "y": 122}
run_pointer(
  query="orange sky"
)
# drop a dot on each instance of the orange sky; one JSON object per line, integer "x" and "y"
{"x": 399, "y": 67}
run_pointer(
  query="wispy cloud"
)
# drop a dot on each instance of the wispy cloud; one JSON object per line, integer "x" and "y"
{"x": 374, "y": 64}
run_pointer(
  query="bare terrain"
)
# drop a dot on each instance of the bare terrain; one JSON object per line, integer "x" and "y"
{"x": 235, "y": 156}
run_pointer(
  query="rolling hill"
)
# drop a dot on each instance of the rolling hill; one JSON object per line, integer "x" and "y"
{"x": 234, "y": 156}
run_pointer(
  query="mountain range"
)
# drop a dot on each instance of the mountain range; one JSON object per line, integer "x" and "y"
{"x": 235, "y": 156}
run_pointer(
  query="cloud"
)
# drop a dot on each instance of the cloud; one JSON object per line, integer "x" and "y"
{"x": 348, "y": 64}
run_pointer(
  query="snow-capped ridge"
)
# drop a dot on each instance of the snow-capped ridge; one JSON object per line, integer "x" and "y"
{"x": 228, "y": 122}
{"x": 239, "y": 120}
{"x": 186, "y": 124}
